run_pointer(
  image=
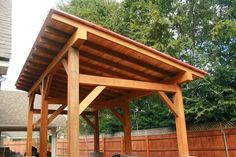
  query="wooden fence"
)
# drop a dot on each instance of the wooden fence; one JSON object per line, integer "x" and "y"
{"x": 201, "y": 144}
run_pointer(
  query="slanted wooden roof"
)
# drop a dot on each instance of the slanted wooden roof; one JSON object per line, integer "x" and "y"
{"x": 102, "y": 53}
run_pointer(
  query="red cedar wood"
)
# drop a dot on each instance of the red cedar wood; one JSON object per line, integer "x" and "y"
{"x": 127, "y": 130}
{"x": 96, "y": 132}
{"x": 180, "y": 124}
{"x": 85, "y": 28}
{"x": 73, "y": 20}
{"x": 73, "y": 103}
{"x": 29, "y": 127}
{"x": 44, "y": 129}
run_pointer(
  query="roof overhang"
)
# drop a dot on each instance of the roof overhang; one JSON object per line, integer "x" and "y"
{"x": 102, "y": 53}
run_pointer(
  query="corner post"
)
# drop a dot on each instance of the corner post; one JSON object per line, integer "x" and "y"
{"x": 96, "y": 133}
{"x": 127, "y": 130}
{"x": 181, "y": 132}
{"x": 44, "y": 129}
{"x": 73, "y": 103}
{"x": 29, "y": 141}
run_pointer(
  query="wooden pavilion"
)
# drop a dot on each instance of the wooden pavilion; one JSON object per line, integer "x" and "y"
{"x": 86, "y": 68}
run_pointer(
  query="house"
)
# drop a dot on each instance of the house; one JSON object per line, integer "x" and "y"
{"x": 13, "y": 116}
{"x": 5, "y": 37}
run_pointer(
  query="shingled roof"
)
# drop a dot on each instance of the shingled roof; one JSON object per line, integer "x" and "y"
{"x": 14, "y": 110}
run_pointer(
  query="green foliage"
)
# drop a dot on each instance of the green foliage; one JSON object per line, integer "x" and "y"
{"x": 199, "y": 32}
{"x": 150, "y": 112}
{"x": 109, "y": 123}
{"x": 100, "y": 12}
{"x": 213, "y": 99}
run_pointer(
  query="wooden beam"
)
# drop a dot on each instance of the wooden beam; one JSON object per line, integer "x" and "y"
{"x": 142, "y": 49}
{"x": 96, "y": 133}
{"x": 38, "y": 111}
{"x": 56, "y": 113}
{"x": 44, "y": 129}
{"x": 35, "y": 125}
{"x": 118, "y": 66}
{"x": 127, "y": 129}
{"x": 169, "y": 103}
{"x": 180, "y": 125}
{"x": 29, "y": 127}
{"x": 82, "y": 33}
{"x": 130, "y": 59}
{"x": 73, "y": 103}
{"x": 89, "y": 99}
{"x": 123, "y": 83}
{"x": 88, "y": 120}
{"x": 116, "y": 102}
{"x": 65, "y": 65}
{"x": 47, "y": 86}
{"x": 56, "y": 32}
{"x": 76, "y": 35}
{"x": 57, "y": 101}
{"x": 31, "y": 101}
{"x": 118, "y": 115}
{"x": 180, "y": 78}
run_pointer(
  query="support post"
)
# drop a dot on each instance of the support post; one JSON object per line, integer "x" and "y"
{"x": 180, "y": 124}
{"x": 54, "y": 142}
{"x": 127, "y": 130}
{"x": 73, "y": 103}
{"x": 30, "y": 127}
{"x": 96, "y": 133}
{"x": 44, "y": 129}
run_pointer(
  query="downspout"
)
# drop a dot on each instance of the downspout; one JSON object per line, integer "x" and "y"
{"x": 225, "y": 141}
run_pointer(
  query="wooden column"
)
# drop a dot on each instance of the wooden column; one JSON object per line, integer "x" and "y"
{"x": 30, "y": 127}
{"x": 96, "y": 133}
{"x": 44, "y": 129}
{"x": 73, "y": 103}
{"x": 180, "y": 124}
{"x": 127, "y": 130}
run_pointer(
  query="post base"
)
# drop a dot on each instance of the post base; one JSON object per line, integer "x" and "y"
{"x": 100, "y": 154}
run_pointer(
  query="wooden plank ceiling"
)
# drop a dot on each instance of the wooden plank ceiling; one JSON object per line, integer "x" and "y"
{"x": 98, "y": 56}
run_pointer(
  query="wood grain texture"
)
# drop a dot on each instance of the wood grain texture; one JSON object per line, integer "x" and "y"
{"x": 169, "y": 103}
{"x": 123, "y": 83}
{"x": 180, "y": 124}
{"x": 73, "y": 103}
{"x": 127, "y": 130}
{"x": 29, "y": 126}
{"x": 44, "y": 129}
{"x": 90, "y": 98}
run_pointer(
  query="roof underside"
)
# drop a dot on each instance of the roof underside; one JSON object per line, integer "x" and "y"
{"x": 98, "y": 56}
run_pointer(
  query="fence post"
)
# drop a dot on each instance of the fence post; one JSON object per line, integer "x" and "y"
{"x": 104, "y": 149}
{"x": 63, "y": 148}
{"x": 122, "y": 145}
{"x": 225, "y": 141}
{"x": 147, "y": 145}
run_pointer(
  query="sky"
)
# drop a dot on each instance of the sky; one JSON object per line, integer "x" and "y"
{"x": 27, "y": 19}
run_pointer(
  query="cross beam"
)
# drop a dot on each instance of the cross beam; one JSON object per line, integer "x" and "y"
{"x": 124, "y": 83}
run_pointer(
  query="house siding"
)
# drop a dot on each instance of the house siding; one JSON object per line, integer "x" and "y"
{"x": 5, "y": 34}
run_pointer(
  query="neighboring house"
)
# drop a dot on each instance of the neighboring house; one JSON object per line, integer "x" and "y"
{"x": 5, "y": 36}
{"x": 14, "y": 109}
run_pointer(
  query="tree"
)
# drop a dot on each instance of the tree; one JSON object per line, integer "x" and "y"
{"x": 199, "y": 32}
